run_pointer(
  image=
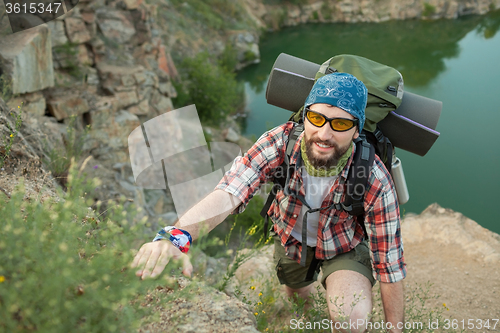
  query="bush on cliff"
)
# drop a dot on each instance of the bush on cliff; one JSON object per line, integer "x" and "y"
{"x": 211, "y": 87}
{"x": 63, "y": 269}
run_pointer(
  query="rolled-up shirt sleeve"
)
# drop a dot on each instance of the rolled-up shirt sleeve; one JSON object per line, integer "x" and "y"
{"x": 255, "y": 168}
{"x": 383, "y": 226}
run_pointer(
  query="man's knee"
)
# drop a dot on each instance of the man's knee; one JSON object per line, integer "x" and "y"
{"x": 303, "y": 292}
{"x": 349, "y": 300}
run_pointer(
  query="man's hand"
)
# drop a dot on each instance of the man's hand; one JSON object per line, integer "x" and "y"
{"x": 154, "y": 256}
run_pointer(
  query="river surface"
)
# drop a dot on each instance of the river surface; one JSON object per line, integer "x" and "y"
{"x": 454, "y": 61}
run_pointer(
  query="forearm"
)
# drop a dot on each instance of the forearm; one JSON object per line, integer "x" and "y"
{"x": 393, "y": 302}
{"x": 208, "y": 213}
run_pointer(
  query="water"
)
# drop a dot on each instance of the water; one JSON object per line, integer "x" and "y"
{"x": 455, "y": 61}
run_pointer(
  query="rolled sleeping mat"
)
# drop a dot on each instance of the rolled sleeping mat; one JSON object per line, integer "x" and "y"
{"x": 411, "y": 127}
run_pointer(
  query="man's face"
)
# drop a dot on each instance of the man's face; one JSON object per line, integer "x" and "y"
{"x": 324, "y": 146}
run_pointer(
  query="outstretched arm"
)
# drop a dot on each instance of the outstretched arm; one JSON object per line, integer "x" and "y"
{"x": 206, "y": 215}
{"x": 393, "y": 303}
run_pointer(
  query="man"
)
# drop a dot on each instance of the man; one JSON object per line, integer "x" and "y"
{"x": 351, "y": 261}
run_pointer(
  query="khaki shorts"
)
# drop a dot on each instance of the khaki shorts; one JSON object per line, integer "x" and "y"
{"x": 293, "y": 275}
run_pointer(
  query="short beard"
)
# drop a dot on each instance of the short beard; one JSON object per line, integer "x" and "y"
{"x": 325, "y": 163}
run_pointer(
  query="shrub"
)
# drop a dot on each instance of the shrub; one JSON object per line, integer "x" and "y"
{"x": 7, "y": 143}
{"x": 428, "y": 9}
{"x": 58, "y": 160}
{"x": 211, "y": 87}
{"x": 63, "y": 269}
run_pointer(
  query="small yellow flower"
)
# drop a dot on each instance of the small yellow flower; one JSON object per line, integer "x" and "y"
{"x": 18, "y": 107}
{"x": 260, "y": 294}
{"x": 260, "y": 303}
{"x": 444, "y": 304}
{"x": 2, "y": 278}
{"x": 256, "y": 313}
{"x": 252, "y": 287}
{"x": 12, "y": 135}
{"x": 263, "y": 311}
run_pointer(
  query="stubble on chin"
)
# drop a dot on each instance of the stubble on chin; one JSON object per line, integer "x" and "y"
{"x": 325, "y": 161}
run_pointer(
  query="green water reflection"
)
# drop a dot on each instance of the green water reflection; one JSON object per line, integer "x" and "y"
{"x": 455, "y": 61}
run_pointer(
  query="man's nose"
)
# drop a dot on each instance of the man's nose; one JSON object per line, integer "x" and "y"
{"x": 325, "y": 133}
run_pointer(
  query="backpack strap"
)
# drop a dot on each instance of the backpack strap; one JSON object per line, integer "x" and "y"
{"x": 280, "y": 177}
{"x": 357, "y": 180}
{"x": 383, "y": 146}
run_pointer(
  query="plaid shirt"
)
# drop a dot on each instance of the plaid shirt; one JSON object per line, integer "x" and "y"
{"x": 337, "y": 231}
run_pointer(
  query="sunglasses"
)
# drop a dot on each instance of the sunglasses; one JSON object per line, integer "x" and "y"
{"x": 337, "y": 124}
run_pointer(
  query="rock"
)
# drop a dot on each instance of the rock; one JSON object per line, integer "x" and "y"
{"x": 33, "y": 104}
{"x": 161, "y": 103}
{"x": 64, "y": 105}
{"x": 210, "y": 311}
{"x": 92, "y": 77}
{"x": 140, "y": 109}
{"x": 58, "y": 34}
{"x": 76, "y": 30}
{"x": 132, "y": 4}
{"x": 118, "y": 78}
{"x": 126, "y": 98}
{"x": 231, "y": 135}
{"x": 88, "y": 17}
{"x": 115, "y": 25}
{"x": 448, "y": 227}
{"x": 109, "y": 133}
{"x": 167, "y": 89}
{"x": 247, "y": 49}
{"x": 26, "y": 59}
{"x": 71, "y": 57}
{"x": 166, "y": 64}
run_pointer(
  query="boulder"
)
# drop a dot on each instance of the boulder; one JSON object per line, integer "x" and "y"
{"x": 141, "y": 109}
{"x": 132, "y": 4}
{"x": 76, "y": 30}
{"x": 33, "y": 104}
{"x": 58, "y": 34}
{"x": 231, "y": 135}
{"x": 109, "y": 133}
{"x": 126, "y": 98}
{"x": 166, "y": 63}
{"x": 247, "y": 49}
{"x": 119, "y": 78}
{"x": 115, "y": 25}
{"x": 448, "y": 227}
{"x": 167, "y": 89}
{"x": 161, "y": 103}
{"x": 64, "y": 105}
{"x": 26, "y": 60}
{"x": 210, "y": 311}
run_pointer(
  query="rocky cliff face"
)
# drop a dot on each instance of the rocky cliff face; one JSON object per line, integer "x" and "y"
{"x": 275, "y": 16}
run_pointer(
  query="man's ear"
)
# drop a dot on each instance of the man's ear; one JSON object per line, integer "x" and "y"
{"x": 356, "y": 134}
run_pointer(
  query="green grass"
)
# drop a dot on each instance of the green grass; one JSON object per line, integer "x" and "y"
{"x": 8, "y": 142}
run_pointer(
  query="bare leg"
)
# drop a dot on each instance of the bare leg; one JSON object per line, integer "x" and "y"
{"x": 351, "y": 309}
{"x": 301, "y": 292}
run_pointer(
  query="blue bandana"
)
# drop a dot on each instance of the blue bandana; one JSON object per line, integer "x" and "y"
{"x": 343, "y": 91}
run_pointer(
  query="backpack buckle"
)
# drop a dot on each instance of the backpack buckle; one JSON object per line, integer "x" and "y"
{"x": 379, "y": 135}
